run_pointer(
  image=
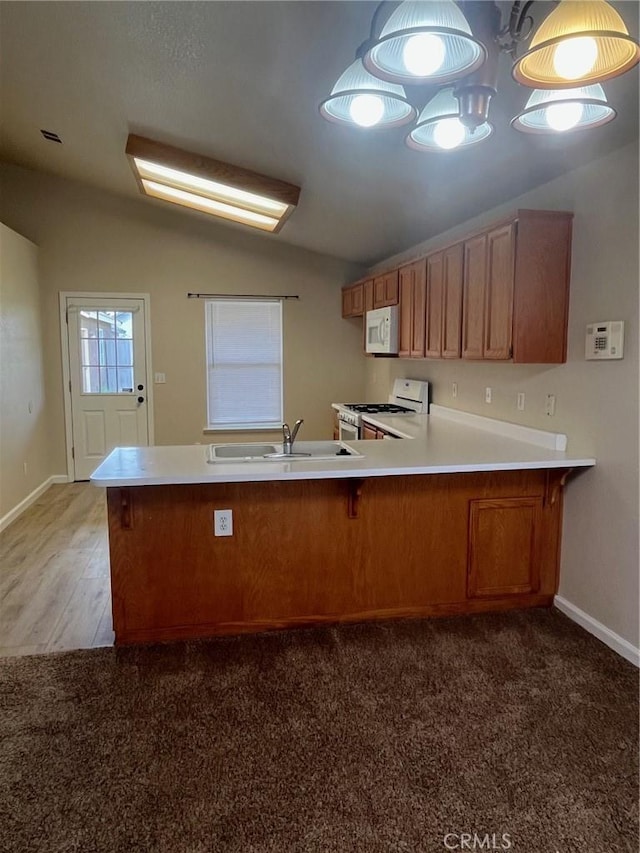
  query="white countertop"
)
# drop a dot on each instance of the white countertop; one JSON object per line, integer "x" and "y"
{"x": 443, "y": 442}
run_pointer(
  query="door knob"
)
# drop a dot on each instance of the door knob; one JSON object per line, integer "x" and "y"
{"x": 140, "y": 387}
{"x": 141, "y": 399}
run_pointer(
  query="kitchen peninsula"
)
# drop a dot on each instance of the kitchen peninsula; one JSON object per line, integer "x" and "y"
{"x": 464, "y": 517}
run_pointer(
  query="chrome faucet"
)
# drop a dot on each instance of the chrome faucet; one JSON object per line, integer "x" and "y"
{"x": 289, "y": 437}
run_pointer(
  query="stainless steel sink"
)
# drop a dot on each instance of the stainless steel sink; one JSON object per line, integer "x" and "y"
{"x": 309, "y": 451}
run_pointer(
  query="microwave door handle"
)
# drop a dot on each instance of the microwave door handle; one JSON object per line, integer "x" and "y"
{"x": 383, "y": 332}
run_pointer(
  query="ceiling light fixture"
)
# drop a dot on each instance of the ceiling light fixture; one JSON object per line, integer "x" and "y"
{"x": 580, "y": 41}
{"x": 564, "y": 110}
{"x": 440, "y": 42}
{"x": 210, "y": 186}
{"x": 360, "y": 98}
{"x": 439, "y": 126}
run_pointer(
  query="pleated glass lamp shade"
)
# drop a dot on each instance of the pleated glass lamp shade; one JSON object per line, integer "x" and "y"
{"x": 564, "y": 110}
{"x": 361, "y": 100}
{"x": 428, "y": 41}
{"x": 440, "y": 129}
{"x": 581, "y": 42}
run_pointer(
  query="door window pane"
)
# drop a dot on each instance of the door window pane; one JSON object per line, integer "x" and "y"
{"x": 106, "y": 351}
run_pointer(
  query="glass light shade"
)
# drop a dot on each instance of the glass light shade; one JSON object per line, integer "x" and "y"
{"x": 359, "y": 98}
{"x": 549, "y": 111}
{"x": 452, "y": 52}
{"x": 436, "y": 129}
{"x": 579, "y": 43}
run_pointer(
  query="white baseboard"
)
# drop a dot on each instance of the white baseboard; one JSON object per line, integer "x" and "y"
{"x": 6, "y": 520}
{"x": 606, "y": 635}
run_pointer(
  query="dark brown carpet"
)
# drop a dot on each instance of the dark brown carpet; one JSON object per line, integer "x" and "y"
{"x": 379, "y": 737}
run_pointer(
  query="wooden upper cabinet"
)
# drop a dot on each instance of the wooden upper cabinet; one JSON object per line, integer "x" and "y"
{"x": 452, "y": 301}
{"x": 386, "y": 289}
{"x": 541, "y": 290}
{"x": 498, "y": 309}
{"x": 433, "y": 327}
{"x": 516, "y": 289}
{"x": 503, "y": 293}
{"x": 357, "y": 300}
{"x": 353, "y": 300}
{"x": 474, "y": 287}
{"x": 412, "y": 297}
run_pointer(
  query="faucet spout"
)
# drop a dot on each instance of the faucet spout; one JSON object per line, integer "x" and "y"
{"x": 289, "y": 437}
{"x": 296, "y": 427}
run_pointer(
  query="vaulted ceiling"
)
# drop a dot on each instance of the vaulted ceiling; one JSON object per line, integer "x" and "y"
{"x": 241, "y": 82}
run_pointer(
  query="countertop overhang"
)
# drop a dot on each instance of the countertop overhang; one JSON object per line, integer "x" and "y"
{"x": 443, "y": 442}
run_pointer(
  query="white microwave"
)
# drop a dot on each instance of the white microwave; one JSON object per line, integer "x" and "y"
{"x": 381, "y": 330}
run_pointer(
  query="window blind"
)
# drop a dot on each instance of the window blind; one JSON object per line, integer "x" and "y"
{"x": 244, "y": 364}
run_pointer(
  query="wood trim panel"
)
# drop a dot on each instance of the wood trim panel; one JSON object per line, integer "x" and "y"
{"x": 207, "y": 167}
{"x": 504, "y": 547}
{"x": 221, "y": 629}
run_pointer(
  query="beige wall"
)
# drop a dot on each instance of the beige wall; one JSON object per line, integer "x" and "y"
{"x": 92, "y": 241}
{"x": 597, "y": 402}
{"x": 24, "y": 420}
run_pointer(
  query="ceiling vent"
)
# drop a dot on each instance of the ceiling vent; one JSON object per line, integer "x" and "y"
{"x": 51, "y": 136}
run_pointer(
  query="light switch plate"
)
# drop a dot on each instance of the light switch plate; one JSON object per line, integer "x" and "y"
{"x": 159, "y": 378}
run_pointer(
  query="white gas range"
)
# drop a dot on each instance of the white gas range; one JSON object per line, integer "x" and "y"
{"x": 409, "y": 397}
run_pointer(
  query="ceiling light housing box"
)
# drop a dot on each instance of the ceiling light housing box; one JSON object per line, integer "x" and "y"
{"x": 210, "y": 186}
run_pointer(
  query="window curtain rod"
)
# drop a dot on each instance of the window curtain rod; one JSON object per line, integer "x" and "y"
{"x": 238, "y": 296}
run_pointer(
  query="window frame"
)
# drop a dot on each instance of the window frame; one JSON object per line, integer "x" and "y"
{"x": 241, "y": 426}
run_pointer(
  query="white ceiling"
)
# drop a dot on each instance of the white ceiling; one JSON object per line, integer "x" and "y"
{"x": 241, "y": 81}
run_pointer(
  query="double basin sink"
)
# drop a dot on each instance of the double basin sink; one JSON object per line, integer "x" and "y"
{"x": 309, "y": 451}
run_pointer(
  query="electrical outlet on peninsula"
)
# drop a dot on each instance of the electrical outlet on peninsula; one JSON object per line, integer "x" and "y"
{"x": 222, "y": 522}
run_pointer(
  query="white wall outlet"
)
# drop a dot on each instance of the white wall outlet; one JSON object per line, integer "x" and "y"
{"x": 520, "y": 401}
{"x": 487, "y": 394}
{"x": 222, "y": 522}
{"x": 454, "y": 389}
{"x": 550, "y": 405}
{"x": 159, "y": 378}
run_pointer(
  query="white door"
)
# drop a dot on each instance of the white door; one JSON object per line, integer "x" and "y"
{"x": 108, "y": 376}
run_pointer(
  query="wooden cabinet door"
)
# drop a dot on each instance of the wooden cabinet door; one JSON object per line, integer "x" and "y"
{"x": 474, "y": 286}
{"x": 346, "y": 302}
{"x": 418, "y": 309}
{"x": 405, "y": 319}
{"x": 498, "y": 323}
{"x": 386, "y": 289}
{"x": 369, "y": 433}
{"x": 378, "y": 292}
{"x": 391, "y": 284}
{"x": 357, "y": 300}
{"x": 367, "y": 291}
{"x": 433, "y": 328}
{"x": 504, "y": 547}
{"x": 452, "y": 301}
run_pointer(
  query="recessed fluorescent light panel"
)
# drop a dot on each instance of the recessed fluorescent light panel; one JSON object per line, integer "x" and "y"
{"x": 209, "y": 186}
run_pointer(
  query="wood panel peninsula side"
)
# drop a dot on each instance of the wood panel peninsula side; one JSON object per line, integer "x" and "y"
{"x": 396, "y": 533}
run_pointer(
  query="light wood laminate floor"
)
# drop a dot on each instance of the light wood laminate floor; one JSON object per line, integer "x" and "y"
{"x": 54, "y": 574}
